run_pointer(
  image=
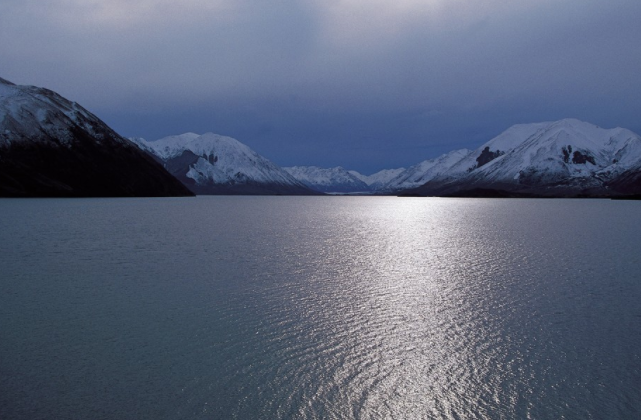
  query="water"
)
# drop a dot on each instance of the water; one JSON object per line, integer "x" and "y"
{"x": 319, "y": 308}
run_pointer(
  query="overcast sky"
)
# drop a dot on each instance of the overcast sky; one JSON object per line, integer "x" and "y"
{"x": 365, "y": 84}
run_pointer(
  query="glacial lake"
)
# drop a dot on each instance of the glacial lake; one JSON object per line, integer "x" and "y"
{"x": 320, "y": 308}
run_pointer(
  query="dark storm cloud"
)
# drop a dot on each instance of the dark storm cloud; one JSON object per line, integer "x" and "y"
{"x": 363, "y": 84}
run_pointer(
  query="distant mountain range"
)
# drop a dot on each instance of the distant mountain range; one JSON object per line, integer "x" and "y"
{"x": 50, "y": 146}
{"x": 329, "y": 180}
{"x": 567, "y": 158}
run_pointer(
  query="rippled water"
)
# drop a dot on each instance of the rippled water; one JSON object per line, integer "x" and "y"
{"x": 320, "y": 307}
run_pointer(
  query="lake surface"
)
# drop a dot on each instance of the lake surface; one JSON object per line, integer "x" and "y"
{"x": 320, "y": 308}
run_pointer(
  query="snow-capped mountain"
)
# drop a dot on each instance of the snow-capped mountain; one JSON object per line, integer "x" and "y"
{"x": 215, "y": 164}
{"x": 330, "y": 180}
{"x": 378, "y": 180}
{"x": 427, "y": 170}
{"x": 561, "y": 158}
{"x": 50, "y": 146}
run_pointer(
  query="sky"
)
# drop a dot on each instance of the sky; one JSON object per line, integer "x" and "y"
{"x": 363, "y": 84}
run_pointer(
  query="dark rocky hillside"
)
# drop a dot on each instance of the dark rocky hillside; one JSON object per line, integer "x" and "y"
{"x": 52, "y": 147}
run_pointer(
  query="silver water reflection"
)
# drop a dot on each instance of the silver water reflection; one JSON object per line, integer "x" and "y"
{"x": 320, "y": 307}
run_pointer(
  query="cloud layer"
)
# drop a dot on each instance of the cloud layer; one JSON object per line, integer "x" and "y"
{"x": 360, "y": 83}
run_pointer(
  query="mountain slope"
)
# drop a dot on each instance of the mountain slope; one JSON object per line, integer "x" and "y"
{"x": 214, "y": 164}
{"x": 427, "y": 170}
{"x": 627, "y": 182}
{"x": 561, "y": 158}
{"x": 330, "y": 180}
{"x": 377, "y": 181}
{"x": 52, "y": 147}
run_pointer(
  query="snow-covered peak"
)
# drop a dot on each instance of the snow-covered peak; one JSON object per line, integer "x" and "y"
{"x": 207, "y": 145}
{"x": 583, "y": 135}
{"x": 569, "y": 152}
{"x": 580, "y": 133}
{"x": 171, "y": 146}
{"x": 514, "y": 136}
{"x": 550, "y": 140}
{"x": 219, "y": 160}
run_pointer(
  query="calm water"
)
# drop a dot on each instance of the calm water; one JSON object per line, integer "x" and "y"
{"x": 320, "y": 308}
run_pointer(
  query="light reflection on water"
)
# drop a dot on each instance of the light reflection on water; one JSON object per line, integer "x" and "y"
{"x": 320, "y": 307}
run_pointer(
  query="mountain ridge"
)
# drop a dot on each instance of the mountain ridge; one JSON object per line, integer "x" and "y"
{"x": 53, "y": 147}
{"x": 564, "y": 158}
{"x": 328, "y": 180}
